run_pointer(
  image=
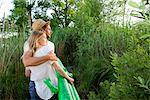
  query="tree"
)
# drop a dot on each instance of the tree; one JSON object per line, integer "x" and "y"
{"x": 29, "y": 7}
{"x": 143, "y": 9}
{"x": 20, "y": 14}
{"x": 40, "y": 11}
{"x": 63, "y": 11}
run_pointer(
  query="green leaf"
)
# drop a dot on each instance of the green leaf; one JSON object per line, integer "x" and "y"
{"x": 133, "y": 14}
{"x": 142, "y": 7}
{"x": 141, "y": 80}
{"x": 145, "y": 36}
{"x": 133, "y": 4}
{"x": 62, "y": 4}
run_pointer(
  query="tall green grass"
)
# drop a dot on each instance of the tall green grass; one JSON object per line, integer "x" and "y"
{"x": 13, "y": 83}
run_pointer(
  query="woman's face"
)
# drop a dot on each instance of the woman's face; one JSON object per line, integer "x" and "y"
{"x": 48, "y": 31}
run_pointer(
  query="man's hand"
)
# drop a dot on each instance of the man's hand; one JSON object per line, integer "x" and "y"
{"x": 52, "y": 56}
{"x": 29, "y": 60}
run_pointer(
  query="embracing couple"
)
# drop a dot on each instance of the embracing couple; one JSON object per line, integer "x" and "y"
{"x": 41, "y": 64}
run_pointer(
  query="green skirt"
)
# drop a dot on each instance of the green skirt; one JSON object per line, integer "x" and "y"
{"x": 65, "y": 90}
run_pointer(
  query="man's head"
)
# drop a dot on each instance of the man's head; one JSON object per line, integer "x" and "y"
{"x": 40, "y": 24}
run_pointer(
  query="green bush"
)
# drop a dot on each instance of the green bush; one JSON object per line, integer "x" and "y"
{"x": 132, "y": 72}
{"x": 102, "y": 94}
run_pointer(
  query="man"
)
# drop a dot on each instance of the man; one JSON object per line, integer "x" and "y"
{"x": 29, "y": 60}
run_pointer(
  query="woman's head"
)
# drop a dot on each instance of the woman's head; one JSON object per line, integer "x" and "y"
{"x": 36, "y": 39}
{"x": 40, "y": 24}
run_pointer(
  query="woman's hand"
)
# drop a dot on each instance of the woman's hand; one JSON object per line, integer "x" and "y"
{"x": 27, "y": 72}
{"x": 71, "y": 80}
{"x": 62, "y": 72}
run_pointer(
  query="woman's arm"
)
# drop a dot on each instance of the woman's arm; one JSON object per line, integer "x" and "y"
{"x": 29, "y": 60}
{"x": 62, "y": 73}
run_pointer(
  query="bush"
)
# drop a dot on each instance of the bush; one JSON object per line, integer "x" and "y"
{"x": 132, "y": 72}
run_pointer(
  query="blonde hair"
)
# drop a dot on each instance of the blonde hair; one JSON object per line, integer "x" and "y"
{"x": 34, "y": 37}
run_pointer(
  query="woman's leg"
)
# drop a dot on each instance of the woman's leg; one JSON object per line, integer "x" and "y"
{"x": 32, "y": 91}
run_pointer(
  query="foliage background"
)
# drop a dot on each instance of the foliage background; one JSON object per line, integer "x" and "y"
{"x": 110, "y": 60}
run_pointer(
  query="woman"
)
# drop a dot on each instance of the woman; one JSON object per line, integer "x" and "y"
{"x": 40, "y": 46}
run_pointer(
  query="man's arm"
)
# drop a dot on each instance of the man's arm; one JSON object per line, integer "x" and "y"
{"x": 29, "y": 60}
